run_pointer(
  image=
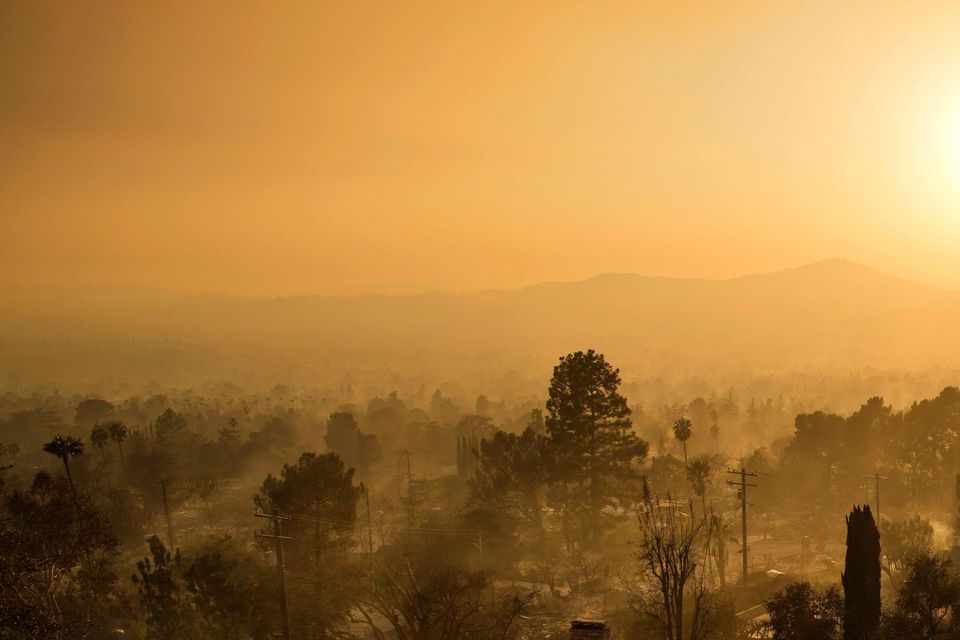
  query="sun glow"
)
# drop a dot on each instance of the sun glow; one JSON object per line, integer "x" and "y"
{"x": 936, "y": 158}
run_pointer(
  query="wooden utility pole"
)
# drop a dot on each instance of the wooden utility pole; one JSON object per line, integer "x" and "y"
{"x": 877, "y": 478}
{"x": 166, "y": 510}
{"x": 278, "y": 539}
{"x": 366, "y": 494}
{"x": 411, "y": 497}
{"x": 743, "y": 484}
{"x": 480, "y": 546}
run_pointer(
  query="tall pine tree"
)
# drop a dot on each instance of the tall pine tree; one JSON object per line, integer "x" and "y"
{"x": 861, "y": 576}
{"x": 592, "y": 440}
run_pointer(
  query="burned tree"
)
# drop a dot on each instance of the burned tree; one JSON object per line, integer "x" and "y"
{"x": 671, "y": 562}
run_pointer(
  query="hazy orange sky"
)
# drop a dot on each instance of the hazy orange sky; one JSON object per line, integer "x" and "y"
{"x": 277, "y": 148}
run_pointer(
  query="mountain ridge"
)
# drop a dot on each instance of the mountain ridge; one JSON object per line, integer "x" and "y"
{"x": 831, "y": 313}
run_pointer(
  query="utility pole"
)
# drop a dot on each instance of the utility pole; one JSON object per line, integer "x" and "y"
{"x": 278, "y": 539}
{"x": 743, "y": 484}
{"x": 876, "y": 477}
{"x": 166, "y": 510}
{"x": 366, "y": 494}
{"x": 411, "y": 498}
{"x": 479, "y": 545}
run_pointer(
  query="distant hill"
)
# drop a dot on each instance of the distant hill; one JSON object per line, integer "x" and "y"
{"x": 833, "y": 313}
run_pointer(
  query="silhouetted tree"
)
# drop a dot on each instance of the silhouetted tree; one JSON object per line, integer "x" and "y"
{"x": 99, "y": 437}
{"x": 443, "y": 409}
{"x": 161, "y": 596}
{"x": 91, "y": 410}
{"x": 905, "y": 539}
{"x": 416, "y": 592}
{"x": 343, "y": 436}
{"x": 170, "y": 426}
{"x": 590, "y": 436}
{"x": 319, "y": 492}
{"x": 928, "y": 602}
{"x": 698, "y": 473}
{"x": 861, "y": 576}
{"x": 369, "y": 452}
{"x": 682, "y": 430}
{"x": 483, "y": 405}
{"x": 65, "y": 447}
{"x": 229, "y": 595}
{"x": 671, "y": 557}
{"x": 118, "y": 433}
{"x": 800, "y": 612}
{"x": 56, "y": 563}
{"x": 512, "y": 474}
{"x": 536, "y": 422}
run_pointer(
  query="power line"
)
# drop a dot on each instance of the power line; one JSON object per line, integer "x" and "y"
{"x": 278, "y": 539}
{"x": 166, "y": 510}
{"x": 303, "y": 517}
{"x": 877, "y": 478}
{"x": 743, "y": 484}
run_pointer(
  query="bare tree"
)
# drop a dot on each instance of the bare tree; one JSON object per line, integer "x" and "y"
{"x": 413, "y": 599}
{"x": 671, "y": 563}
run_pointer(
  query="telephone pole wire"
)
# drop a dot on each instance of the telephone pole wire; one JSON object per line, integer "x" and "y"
{"x": 877, "y": 478}
{"x": 278, "y": 539}
{"x": 366, "y": 494}
{"x": 166, "y": 510}
{"x": 743, "y": 484}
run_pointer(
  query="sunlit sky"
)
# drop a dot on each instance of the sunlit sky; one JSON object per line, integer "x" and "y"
{"x": 281, "y": 148}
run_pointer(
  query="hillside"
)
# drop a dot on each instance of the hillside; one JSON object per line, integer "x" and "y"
{"x": 827, "y": 314}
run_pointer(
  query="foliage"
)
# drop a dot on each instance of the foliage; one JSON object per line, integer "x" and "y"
{"x": 905, "y": 539}
{"x": 592, "y": 443}
{"x": 162, "y": 599}
{"x": 91, "y": 410}
{"x": 861, "y": 576}
{"x": 418, "y": 597}
{"x": 99, "y": 436}
{"x": 319, "y": 496}
{"x": 513, "y": 472}
{"x": 216, "y": 593}
{"x": 66, "y": 447}
{"x": 56, "y": 573}
{"x": 682, "y": 430}
{"x": 928, "y": 602}
{"x": 801, "y": 612}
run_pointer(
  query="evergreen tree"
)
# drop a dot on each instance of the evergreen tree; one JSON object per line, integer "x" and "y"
{"x": 591, "y": 437}
{"x": 801, "y": 612}
{"x": 511, "y": 475}
{"x": 861, "y": 576}
{"x": 343, "y": 436}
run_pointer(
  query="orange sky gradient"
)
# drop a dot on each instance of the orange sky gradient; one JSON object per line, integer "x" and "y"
{"x": 348, "y": 147}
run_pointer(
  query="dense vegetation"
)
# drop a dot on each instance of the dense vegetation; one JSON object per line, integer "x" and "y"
{"x": 432, "y": 516}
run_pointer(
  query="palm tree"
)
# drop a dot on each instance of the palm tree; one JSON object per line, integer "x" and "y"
{"x": 99, "y": 437}
{"x": 64, "y": 447}
{"x": 682, "y": 430}
{"x": 698, "y": 473}
{"x": 118, "y": 433}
